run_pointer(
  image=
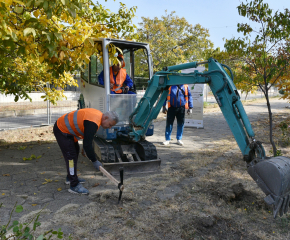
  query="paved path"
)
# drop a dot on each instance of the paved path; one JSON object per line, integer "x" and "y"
{"x": 40, "y": 182}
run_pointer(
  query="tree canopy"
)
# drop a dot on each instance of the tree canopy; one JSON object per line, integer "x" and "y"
{"x": 173, "y": 40}
{"x": 261, "y": 58}
{"x": 45, "y": 40}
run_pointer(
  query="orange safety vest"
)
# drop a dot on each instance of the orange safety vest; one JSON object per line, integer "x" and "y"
{"x": 186, "y": 96}
{"x": 120, "y": 79}
{"x": 73, "y": 122}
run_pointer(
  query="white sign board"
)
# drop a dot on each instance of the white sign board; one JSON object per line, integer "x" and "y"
{"x": 195, "y": 119}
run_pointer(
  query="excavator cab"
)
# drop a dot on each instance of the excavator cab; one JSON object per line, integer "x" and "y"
{"x": 111, "y": 145}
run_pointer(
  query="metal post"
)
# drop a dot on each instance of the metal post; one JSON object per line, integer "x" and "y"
{"x": 48, "y": 109}
{"x": 206, "y": 89}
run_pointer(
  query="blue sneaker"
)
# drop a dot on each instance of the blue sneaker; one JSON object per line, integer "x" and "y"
{"x": 80, "y": 180}
{"x": 78, "y": 189}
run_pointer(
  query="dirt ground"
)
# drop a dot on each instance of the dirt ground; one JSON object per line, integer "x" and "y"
{"x": 206, "y": 194}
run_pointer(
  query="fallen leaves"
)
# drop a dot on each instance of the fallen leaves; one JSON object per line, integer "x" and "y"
{"x": 95, "y": 185}
{"x": 6, "y": 175}
{"x": 32, "y": 157}
{"x": 47, "y": 181}
{"x": 21, "y": 147}
{"x": 59, "y": 189}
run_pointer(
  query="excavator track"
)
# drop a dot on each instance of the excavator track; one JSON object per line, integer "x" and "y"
{"x": 146, "y": 150}
{"x": 134, "y": 158}
{"x": 104, "y": 151}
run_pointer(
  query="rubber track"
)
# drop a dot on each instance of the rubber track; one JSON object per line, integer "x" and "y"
{"x": 107, "y": 151}
{"x": 149, "y": 150}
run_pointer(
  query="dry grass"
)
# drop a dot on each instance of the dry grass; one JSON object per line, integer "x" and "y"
{"x": 205, "y": 194}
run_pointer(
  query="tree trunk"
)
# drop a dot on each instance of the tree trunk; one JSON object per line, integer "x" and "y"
{"x": 270, "y": 122}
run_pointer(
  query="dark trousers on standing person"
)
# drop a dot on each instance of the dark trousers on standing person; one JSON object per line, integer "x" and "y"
{"x": 179, "y": 114}
{"x": 70, "y": 151}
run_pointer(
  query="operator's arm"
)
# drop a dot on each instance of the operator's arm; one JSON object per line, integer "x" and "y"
{"x": 128, "y": 81}
{"x": 101, "y": 78}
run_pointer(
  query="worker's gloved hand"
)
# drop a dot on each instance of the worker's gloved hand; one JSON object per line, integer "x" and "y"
{"x": 164, "y": 110}
{"x": 189, "y": 111}
{"x": 97, "y": 165}
{"x": 111, "y": 85}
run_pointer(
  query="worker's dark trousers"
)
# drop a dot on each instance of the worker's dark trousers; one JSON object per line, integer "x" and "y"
{"x": 70, "y": 151}
{"x": 179, "y": 113}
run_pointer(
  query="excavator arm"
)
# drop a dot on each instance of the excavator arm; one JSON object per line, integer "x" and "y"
{"x": 271, "y": 174}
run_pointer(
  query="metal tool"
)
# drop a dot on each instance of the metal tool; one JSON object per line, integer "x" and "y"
{"x": 115, "y": 181}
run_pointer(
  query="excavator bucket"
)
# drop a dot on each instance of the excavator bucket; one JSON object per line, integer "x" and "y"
{"x": 273, "y": 176}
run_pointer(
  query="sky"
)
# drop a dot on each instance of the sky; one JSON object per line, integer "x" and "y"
{"x": 220, "y": 17}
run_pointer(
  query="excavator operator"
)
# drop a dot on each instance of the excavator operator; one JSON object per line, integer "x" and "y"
{"x": 120, "y": 82}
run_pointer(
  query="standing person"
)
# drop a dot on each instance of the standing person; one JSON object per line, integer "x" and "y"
{"x": 179, "y": 100}
{"x": 120, "y": 82}
{"x": 80, "y": 124}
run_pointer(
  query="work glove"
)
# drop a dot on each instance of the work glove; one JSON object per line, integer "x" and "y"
{"x": 97, "y": 165}
{"x": 189, "y": 111}
{"x": 164, "y": 110}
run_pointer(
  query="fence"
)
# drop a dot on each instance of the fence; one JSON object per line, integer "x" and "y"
{"x": 25, "y": 114}
{"x": 273, "y": 92}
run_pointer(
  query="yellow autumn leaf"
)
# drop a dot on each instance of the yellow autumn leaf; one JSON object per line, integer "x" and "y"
{"x": 34, "y": 204}
{"x": 59, "y": 189}
{"x": 3, "y": 194}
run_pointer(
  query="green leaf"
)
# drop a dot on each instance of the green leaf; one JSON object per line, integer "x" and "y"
{"x": 58, "y": 36}
{"x": 27, "y": 31}
{"x": 18, "y": 209}
{"x": 21, "y": 50}
{"x": 49, "y": 13}
{"x": 19, "y": 9}
{"x": 45, "y": 5}
{"x": 40, "y": 237}
{"x": 14, "y": 36}
{"x": 15, "y": 229}
{"x": 15, "y": 223}
{"x": 91, "y": 41}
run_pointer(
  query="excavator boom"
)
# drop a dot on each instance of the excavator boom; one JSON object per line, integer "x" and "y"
{"x": 271, "y": 174}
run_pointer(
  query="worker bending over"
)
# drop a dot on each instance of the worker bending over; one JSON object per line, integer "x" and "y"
{"x": 120, "y": 82}
{"x": 80, "y": 124}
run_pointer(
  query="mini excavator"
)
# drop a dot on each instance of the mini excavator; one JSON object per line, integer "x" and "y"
{"x": 125, "y": 146}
